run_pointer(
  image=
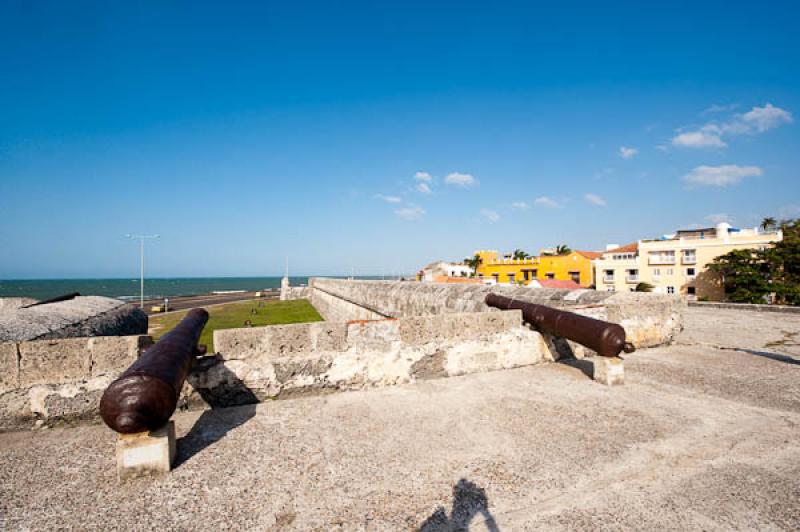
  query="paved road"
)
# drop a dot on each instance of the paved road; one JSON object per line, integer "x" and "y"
{"x": 699, "y": 437}
{"x": 187, "y": 302}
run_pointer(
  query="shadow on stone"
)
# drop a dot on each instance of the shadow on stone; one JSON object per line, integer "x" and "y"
{"x": 469, "y": 500}
{"x": 585, "y": 365}
{"x": 768, "y": 354}
{"x": 214, "y": 424}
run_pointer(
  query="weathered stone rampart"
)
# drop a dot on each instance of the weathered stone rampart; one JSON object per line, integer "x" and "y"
{"x": 60, "y": 379}
{"x": 287, "y": 360}
{"x": 649, "y": 319}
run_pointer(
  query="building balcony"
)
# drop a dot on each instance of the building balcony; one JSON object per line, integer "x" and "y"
{"x": 608, "y": 280}
{"x": 661, "y": 261}
{"x": 631, "y": 278}
{"x": 689, "y": 260}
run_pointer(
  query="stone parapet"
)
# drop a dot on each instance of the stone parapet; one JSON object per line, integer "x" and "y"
{"x": 649, "y": 319}
{"x": 60, "y": 379}
{"x": 289, "y": 360}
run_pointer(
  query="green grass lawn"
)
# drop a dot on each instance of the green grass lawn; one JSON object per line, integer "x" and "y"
{"x": 233, "y": 315}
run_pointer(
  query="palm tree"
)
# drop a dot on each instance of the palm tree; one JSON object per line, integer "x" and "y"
{"x": 474, "y": 263}
{"x": 520, "y": 255}
{"x": 563, "y": 249}
{"x": 769, "y": 223}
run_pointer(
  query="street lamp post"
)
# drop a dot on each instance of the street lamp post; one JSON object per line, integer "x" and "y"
{"x": 141, "y": 239}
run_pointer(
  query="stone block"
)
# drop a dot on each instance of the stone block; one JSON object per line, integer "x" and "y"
{"x": 242, "y": 344}
{"x": 113, "y": 354}
{"x": 53, "y": 361}
{"x": 328, "y": 336}
{"x": 417, "y": 331}
{"x": 289, "y": 339}
{"x": 609, "y": 370}
{"x": 146, "y": 452}
{"x": 373, "y": 335}
{"x": 9, "y": 366}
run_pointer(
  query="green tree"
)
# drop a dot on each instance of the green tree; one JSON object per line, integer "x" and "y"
{"x": 745, "y": 274}
{"x": 769, "y": 223}
{"x": 474, "y": 263}
{"x": 520, "y": 255}
{"x": 784, "y": 264}
{"x": 563, "y": 249}
{"x": 644, "y": 287}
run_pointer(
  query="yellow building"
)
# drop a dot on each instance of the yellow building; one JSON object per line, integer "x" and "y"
{"x": 577, "y": 267}
{"x": 678, "y": 263}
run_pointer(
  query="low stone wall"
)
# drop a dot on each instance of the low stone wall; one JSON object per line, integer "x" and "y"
{"x": 258, "y": 363}
{"x": 60, "y": 379}
{"x": 334, "y": 307}
{"x": 649, "y": 319}
{"x": 745, "y": 306}
{"x": 296, "y": 292}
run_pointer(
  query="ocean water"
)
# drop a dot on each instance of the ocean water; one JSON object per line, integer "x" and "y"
{"x": 129, "y": 288}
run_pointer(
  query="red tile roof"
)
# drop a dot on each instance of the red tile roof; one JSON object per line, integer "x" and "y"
{"x": 591, "y": 254}
{"x": 628, "y": 248}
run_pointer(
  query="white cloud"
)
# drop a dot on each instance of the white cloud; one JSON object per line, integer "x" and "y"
{"x": 760, "y": 119}
{"x": 461, "y": 180}
{"x": 388, "y": 199}
{"x": 627, "y": 153}
{"x": 423, "y": 188}
{"x": 519, "y": 205}
{"x": 594, "y": 199}
{"x": 704, "y": 138}
{"x": 757, "y": 120}
{"x": 547, "y": 202}
{"x": 423, "y": 176}
{"x": 412, "y": 212}
{"x": 720, "y": 176}
{"x": 490, "y": 215}
{"x": 715, "y": 108}
{"x": 719, "y": 218}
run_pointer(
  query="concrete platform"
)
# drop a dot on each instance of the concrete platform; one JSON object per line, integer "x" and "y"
{"x": 699, "y": 437}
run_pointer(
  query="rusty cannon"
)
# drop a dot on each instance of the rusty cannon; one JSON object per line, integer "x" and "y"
{"x": 145, "y": 395}
{"x": 605, "y": 338}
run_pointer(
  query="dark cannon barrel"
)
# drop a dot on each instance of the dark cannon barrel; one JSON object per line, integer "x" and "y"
{"x": 145, "y": 395}
{"x": 57, "y": 299}
{"x": 605, "y": 338}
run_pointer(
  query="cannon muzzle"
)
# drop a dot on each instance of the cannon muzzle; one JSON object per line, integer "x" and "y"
{"x": 145, "y": 395}
{"x": 605, "y": 338}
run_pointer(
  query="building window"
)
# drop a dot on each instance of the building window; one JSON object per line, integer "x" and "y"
{"x": 689, "y": 256}
{"x": 690, "y": 273}
{"x": 656, "y": 274}
{"x": 670, "y": 289}
{"x": 608, "y": 276}
{"x": 511, "y": 278}
{"x": 662, "y": 257}
{"x": 496, "y": 277}
{"x": 668, "y": 271}
{"x": 550, "y": 275}
{"x": 690, "y": 290}
{"x": 576, "y": 277}
{"x": 632, "y": 276}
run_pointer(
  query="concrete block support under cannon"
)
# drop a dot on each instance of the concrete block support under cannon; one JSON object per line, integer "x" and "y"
{"x": 144, "y": 453}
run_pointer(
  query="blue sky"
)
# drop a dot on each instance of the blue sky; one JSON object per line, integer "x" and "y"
{"x": 382, "y": 137}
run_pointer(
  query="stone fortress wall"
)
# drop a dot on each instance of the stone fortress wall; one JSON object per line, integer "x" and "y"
{"x": 376, "y": 333}
{"x": 649, "y": 319}
{"x": 60, "y": 378}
